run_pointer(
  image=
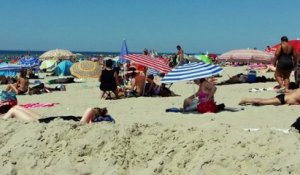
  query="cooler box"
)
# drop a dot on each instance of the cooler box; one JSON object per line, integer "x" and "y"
{"x": 251, "y": 76}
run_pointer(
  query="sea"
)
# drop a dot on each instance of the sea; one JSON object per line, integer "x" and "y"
{"x": 21, "y": 53}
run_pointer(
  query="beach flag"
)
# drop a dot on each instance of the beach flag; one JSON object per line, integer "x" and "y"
{"x": 124, "y": 51}
{"x": 149, "y": 62}
{"x": 191, "y": 71}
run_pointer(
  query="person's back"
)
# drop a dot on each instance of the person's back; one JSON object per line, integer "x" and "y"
{"x": 23, "y": 84}
{"x": 139, "y": 81}
{"x": 107, "y": 76}
{"x": 287, "y": 49}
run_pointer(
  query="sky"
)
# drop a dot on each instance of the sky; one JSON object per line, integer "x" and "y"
{"x": 213, "y": 26}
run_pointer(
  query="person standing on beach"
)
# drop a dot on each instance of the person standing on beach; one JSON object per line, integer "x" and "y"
{"x": 180, "y": 56}
{"x": 285, "y": 62}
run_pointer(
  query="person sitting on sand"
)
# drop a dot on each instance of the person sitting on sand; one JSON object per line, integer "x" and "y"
{"x": 204, "y": 94}
{"x": 151, "y": 88}
{"x": 109, "y": 79}
{"x": 137, "y": 82}
{"x": 90, "y": 115}
{"x": 22, "y": 84}
{"x": 292, "y": 97}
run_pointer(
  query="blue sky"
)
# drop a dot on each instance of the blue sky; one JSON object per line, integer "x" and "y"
{"x": 215, "y": 26}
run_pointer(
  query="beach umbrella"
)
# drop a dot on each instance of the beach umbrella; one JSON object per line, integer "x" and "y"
{"x": 63, "y": 68}
{"x": 295, "y": 43}
{"x": 123, "y": 52}
{"x": 57, "y": 54}
{"x": 86, "y": 69}
{"x": 9, "y": 70}
{"x": 191, "y": 71}
{"x": 30, "y": 62}
{"x": 48, "y": 65}
{"x": 148, "y": 61}
{"x": 246, "y": 56}
{"x": 203, "y": 58}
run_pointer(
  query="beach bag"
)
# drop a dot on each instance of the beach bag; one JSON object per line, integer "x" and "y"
{"x": 208, "y": 106}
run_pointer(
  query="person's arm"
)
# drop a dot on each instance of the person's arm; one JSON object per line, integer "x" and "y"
{"x": 100, "y": 77}
{"x": 133, "y": 82}
{"x": 116, "y": 78}
{"x": 277, "y": 53}
{"x": 295, "y": 59}
{"x": 212, "y": 89}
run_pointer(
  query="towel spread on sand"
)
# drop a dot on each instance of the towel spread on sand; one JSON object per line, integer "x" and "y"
{"x": 38, "y": 105}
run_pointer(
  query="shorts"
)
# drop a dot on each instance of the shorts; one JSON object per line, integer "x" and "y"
{"x": 281, "y": 98}
{"x": 193, "y": 106}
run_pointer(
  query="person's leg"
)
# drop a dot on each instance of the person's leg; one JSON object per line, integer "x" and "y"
{"x": 102, "y": 94}
{"x": 187, "y": 102}
{"x": 286, "y": 79}
{"x": 260, "y": 101}
{"x": 21, "y": 114}
{"x": 278, "y": 78}
{"x": 88, "y": 116}
{"x": 12, "y": 87}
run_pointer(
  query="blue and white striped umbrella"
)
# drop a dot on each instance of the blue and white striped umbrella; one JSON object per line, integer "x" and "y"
{"x": 191, "y": 71}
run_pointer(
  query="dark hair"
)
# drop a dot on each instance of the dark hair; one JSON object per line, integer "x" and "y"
{"x": 202, "y": 80}
{"x": 23, "y": 73}
{"x": 109, "y": 63}
{"x": 178, "y": 47}
{"x": 284, "y": 38}
{"x": 150, "y": 76}
{"x": 100, "y": 111}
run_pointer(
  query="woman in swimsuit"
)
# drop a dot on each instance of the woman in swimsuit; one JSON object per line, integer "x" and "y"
{"x": 90, "y": 115}
{"x": 21, "y": 87}
{"x": 285, "y": 61}
{"x": 205, "y": 93}
{"x": 291, "y": 98}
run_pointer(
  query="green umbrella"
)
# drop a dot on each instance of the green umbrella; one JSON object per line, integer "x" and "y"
{"x": 204, "y": 58}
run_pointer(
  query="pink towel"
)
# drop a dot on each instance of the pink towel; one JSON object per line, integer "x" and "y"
{"x": 38, "y": 105}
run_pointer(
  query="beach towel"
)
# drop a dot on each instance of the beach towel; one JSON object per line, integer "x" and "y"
{"x": 38, "y": 105}
{"x": 261, "y": 89}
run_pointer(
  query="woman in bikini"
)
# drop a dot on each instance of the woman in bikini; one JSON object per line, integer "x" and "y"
{"x": 292, "y": 97}
{"x": 285, "y": 61}
{"x": 21, "y": 87}
{"x": 90, "y": 115}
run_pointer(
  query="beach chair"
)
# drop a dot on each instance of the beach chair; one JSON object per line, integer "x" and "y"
{"x": 108, "y": 95}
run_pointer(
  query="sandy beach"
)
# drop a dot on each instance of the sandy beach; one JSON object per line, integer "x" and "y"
{"x": 147, "y": 140}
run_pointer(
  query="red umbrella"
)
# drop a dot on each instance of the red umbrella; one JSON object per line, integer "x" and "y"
{"x": 295, "y": 43}
{"x": 149, "y": 62}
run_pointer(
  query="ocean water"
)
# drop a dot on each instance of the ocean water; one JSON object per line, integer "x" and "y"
{"x": 20, "y": 53}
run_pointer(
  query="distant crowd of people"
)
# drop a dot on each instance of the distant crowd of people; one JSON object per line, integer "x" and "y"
{"x": 135, "y": 82}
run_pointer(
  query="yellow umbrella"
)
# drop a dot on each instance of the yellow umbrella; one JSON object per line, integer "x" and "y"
{"x": 86, "y": 69}
{"x": 49, "y": 65}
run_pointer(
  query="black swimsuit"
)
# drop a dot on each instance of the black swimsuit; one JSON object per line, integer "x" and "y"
{"x": 285, "y": 61}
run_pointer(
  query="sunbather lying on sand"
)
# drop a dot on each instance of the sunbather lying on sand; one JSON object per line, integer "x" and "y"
{"x": 292, "y": 97}
{"x": 90, "y": 115}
